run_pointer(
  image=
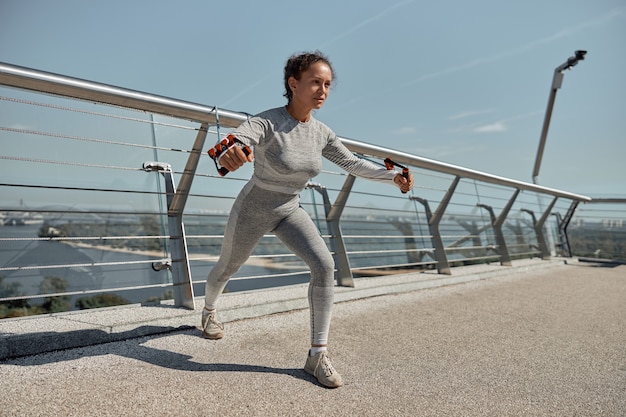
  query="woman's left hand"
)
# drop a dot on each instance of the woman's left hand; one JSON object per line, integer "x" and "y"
{"x": 405, "y": 184}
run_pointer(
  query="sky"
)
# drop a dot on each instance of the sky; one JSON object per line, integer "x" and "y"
{"x": 462, "y": 82}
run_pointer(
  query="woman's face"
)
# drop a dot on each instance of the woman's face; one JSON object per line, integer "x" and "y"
{"x": 312, "y": 89}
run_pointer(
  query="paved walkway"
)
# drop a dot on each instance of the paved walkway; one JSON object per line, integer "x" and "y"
{"x": 546, "y": 341}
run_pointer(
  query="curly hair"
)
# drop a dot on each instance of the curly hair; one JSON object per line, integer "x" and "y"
{"x": 299, "y": 63}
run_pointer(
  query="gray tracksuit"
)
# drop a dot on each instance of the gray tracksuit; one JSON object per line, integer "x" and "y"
{"x": 287, "y": 154}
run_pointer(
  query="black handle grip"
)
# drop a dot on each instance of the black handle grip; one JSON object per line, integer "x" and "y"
{"x": 215, "y": 152}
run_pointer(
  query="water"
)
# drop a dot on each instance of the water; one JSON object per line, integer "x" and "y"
{"x": 87, "y": 277}
{"x": 90, "y": 277}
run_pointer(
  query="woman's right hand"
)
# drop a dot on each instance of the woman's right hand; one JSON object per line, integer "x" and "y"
{"x": 405, "y": 184}
{"x": 234, "y": 158}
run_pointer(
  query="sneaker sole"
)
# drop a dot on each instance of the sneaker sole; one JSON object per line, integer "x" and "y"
{"x": 212, "y": 336}
{"x": 312, "y": 373}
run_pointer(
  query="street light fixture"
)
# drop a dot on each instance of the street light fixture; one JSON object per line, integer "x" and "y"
{"x": 557, "y": 80}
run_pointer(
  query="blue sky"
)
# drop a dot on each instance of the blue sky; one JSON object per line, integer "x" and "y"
{"x": 464, "y": 82}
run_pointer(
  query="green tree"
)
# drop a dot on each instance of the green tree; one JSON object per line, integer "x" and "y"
{"x": 100, "y": 300}
{"x": 12, "y": 308}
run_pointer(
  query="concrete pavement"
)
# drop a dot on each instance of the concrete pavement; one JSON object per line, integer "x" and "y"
{"x": 538, "y": 339}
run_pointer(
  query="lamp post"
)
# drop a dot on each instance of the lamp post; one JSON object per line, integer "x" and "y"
{"x": 557, "y": 80}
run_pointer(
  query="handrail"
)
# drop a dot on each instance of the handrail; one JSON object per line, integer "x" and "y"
{"x": 41, "y": 81}
{"x": 609, "y": 200}
{"x": 61, "y": 85}
{"x": 430, "y": 164}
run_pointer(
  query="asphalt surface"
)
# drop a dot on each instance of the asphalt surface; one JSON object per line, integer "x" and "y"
{"x": 540, "y": 342}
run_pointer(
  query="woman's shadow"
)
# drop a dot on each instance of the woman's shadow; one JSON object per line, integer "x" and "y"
{"x": 138, "y": 351}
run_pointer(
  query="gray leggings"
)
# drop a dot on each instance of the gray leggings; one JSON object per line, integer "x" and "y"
{"x": 257, "y": 212}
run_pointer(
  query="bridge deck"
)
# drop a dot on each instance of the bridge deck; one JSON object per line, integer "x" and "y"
{"x": 539, "y": 338}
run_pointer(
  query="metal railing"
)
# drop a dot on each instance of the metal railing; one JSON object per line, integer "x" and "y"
{"x": 596, "y": 229}
{"x": 103, "y": 175}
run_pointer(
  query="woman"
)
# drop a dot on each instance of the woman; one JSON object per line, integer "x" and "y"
{"x": 288, "y": 145}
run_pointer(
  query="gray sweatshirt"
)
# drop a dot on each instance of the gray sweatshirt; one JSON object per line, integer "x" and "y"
{"x": 288, "y": 153}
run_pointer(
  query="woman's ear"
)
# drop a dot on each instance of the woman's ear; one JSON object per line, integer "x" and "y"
{"x": 292, "y": 83}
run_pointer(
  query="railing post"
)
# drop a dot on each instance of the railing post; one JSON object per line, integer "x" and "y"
{"x": 343, "y": 273}
{"x": 434, "y": 220}
{"x": 562, "y": 224}
{"x": 443, "y": 267}
{"x": 179, "y": 266}
{"x": 181, "y": 270}
{"x": 497, "y": 222}
{"x": 538, "y": 226}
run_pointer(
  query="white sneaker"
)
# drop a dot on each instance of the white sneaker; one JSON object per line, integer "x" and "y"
{"x": 211, "y": 328}
{"x": 320, "y": 367}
